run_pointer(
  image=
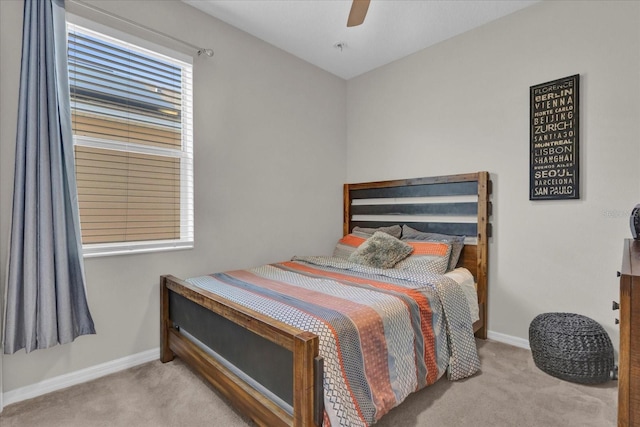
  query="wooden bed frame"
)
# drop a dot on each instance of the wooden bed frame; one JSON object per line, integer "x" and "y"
{"x": 288, "y": 390}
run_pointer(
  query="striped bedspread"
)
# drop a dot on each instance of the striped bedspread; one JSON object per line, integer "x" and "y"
{"x": 383, "y": 333}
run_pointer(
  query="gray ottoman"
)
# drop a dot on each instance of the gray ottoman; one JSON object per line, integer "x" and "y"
{"x": 571, "y": 347}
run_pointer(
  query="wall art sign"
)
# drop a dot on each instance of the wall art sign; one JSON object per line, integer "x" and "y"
{"x": 554, "y": 140}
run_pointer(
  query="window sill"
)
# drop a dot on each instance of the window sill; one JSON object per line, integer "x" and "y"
{"x": 95, "y": 251}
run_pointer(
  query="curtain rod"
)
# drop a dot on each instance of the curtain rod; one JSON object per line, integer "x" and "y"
{"x": 199, "y": 50}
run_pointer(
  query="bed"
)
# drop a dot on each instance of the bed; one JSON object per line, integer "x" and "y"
{"x": 279, "y": 365}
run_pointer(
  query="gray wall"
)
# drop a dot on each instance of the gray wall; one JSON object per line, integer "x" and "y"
{"x": 270, "y": 159}
{"x": 463, "y": 105}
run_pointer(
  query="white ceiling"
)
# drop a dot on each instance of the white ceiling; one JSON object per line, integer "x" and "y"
{"x": 310, "y": 29}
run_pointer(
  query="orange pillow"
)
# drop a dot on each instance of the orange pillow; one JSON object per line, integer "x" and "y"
{"x": 427, "y": 257}
{"x": 348, "y": 244}
{"x": 429, "y": 248}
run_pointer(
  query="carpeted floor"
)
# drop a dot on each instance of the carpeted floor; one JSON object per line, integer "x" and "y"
{"x": 510, "y": 391}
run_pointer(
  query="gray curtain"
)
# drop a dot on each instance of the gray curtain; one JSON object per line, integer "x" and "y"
{"x": 45, "y": 296}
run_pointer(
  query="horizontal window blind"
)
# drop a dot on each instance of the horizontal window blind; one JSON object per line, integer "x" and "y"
{"x": 132, "y": 125}
{"x": 127, "y": 196}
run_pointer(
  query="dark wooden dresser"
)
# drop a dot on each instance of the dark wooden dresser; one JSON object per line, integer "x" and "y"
{"x": 629, "y": 359}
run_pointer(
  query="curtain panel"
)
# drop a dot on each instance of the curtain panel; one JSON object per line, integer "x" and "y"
{"x": 45, "y": 300}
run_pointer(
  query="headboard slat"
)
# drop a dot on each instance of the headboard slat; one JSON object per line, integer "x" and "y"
{"x": 419, "y": 190}
{"x": 464, "y": 208}
{"x": 457, "y": 228}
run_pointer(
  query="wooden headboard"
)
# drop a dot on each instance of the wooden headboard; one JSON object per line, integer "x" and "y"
{"x": 449, "y": 204}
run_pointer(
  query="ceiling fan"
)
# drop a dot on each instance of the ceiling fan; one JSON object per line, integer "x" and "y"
{"x": 358, "y": 12}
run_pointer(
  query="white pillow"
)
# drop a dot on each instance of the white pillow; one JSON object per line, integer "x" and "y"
{"x": 468, "y": 284}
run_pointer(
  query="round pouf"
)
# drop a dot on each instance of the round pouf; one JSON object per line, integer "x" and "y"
{"x": 571, "y": 347}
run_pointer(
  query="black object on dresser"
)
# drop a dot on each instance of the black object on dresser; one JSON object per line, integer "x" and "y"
{"x": 634, "y": 222}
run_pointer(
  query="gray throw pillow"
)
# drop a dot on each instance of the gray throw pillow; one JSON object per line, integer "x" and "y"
{"x": 381, "y": 251}
{"x": 394, "y": 230}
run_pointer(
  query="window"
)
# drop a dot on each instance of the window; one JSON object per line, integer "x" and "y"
{"x": 132, "y": 124}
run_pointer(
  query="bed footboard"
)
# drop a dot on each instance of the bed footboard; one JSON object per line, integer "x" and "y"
{"x": 272, "y": 372}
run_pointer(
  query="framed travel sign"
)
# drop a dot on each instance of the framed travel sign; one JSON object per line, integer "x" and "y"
{"x": 554, "y": 171}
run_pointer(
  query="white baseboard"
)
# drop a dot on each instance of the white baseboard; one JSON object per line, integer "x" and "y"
{"x": 508, "y": 339}
{"x": 77, "y": 377}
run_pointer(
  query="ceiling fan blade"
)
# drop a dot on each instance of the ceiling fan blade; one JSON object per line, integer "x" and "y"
{"x": 358, "y": 12}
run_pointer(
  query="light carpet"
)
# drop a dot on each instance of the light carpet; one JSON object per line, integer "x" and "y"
{"x": 509, "y": 391}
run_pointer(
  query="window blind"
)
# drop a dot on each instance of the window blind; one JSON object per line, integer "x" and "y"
{"x": 132, "y": 125}
{"x": 127, "y": 196}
